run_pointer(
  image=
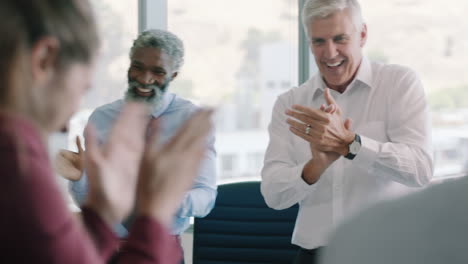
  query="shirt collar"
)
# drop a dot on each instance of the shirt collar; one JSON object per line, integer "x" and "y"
{"x": 364, "y": 75}
{"x": 320, "y": 84}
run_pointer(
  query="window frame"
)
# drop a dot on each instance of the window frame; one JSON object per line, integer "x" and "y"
{"x": 153, "y": 14}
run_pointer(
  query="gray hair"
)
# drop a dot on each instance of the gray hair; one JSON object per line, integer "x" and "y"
{"x": 316, "y": 9}
{"x": 163, "y": 40}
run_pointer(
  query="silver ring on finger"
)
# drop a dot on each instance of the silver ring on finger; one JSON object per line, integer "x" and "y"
{"x": 307, "y": 130}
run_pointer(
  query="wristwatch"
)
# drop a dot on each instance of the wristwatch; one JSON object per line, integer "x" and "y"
{"x": 354, "y": 147}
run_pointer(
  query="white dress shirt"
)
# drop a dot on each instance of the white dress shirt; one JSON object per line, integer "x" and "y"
{"x": 429, "y": 227}
{"x": 388, "y": 108}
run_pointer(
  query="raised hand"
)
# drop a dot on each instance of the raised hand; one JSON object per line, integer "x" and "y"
{"x": 167, "y": 172}
{"x": 112, "y": 168}
{"x": 69, "y": 164}
{"x": 326, "y": 131}
{"x": 326, "y": 158}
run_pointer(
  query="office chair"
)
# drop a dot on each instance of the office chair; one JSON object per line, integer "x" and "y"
{"x": 243, "y": 229}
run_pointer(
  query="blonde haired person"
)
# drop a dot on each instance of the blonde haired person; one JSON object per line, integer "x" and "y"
{"x": 46, "y": 59}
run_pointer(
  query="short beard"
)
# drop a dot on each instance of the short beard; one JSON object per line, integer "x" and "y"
{"x": 154, "y": 101}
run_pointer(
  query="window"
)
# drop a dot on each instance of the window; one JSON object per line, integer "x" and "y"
{"x": 255, "y": 162}
{"x": 118, "y": 26}
{"x": 239, "y": 57}
{"x": 285, "y": 85}
{"x": 242, "y": 54}
{"x": 270, "y": 84}
{"x": 228, "y": 165}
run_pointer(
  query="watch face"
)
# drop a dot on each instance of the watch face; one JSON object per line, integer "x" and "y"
{"x": 354, "y": 147}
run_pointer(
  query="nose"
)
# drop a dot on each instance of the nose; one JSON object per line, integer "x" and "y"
{"x": 146, "y": 78}
{"x": 330, "y": 50}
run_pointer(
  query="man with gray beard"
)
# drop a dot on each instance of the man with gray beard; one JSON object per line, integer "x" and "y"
{"x": 156, "y": 57}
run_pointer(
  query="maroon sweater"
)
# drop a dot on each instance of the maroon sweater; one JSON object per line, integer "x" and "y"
{"x": 37, "y": 227}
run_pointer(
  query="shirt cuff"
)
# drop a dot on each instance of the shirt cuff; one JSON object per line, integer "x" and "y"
{"x": 301, "y": 185}
{"x": 367, "y": 154}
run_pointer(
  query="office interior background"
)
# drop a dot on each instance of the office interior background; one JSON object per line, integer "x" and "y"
{"x": 240, "y": 55}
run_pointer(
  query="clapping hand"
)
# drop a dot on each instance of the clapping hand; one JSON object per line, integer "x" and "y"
{"x": 112, "y": 168}
{"x": 69, "y": 164}
{"x": 167, "y": 172}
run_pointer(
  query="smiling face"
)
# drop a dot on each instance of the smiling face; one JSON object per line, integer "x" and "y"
{"x": 337, "y": 48}
{"x": 149, "y": 75}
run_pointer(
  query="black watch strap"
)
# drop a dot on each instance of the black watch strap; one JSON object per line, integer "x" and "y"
{"x": 351, "y": 155}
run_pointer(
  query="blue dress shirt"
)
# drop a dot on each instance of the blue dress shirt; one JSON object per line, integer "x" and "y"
{"x": 199, "y": 201}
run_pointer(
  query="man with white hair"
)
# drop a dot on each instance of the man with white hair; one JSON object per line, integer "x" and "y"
{"x": 156, "y": 57}
{"x": 355, "y": 133}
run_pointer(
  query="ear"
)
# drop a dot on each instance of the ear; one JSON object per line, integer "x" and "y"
{"x": 363, "y": 35}
{"x": 174, "y": 75}
{"x": 43, "y": 58}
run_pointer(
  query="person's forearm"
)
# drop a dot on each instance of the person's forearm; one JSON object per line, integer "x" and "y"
{"x": 282, "y": 185}
{"x": 149, "y": 242}
{"x": 408, "y": 165}
{"x": 404, "y": 154}
{"x": 312, "y": 171}
{"x": 198, "y": 202}
{"x": 51, "y": 233}
{"x": 104, "y": 239}
{"x": 200, "y": 199}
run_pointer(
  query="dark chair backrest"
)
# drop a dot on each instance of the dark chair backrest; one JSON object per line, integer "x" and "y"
{"x": 243, "y": 229}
